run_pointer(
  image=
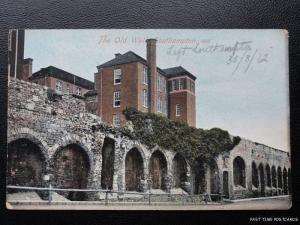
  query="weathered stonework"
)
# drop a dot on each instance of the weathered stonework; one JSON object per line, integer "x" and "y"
{"x": 72, "y": 149}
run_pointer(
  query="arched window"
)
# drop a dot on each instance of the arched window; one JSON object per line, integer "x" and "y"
{"x": 268, "y": 173}
{"x": 71, "y": 170}
{"x": 108, "y": 159}
{"x": 134, "y": 170}
{"x": 279, "y": 174}
{"x": 274, "y": 177}
{"x": 179, "y": 171}
{"x": 25, "y": 163}
{"x": 239, "y": 172}
{"x": 158, "y": 170}
{"x": 254, "y": 175}
{"x": 285, "y": 181}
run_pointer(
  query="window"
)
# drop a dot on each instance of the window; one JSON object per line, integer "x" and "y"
{"x": 78, "y": 91}
{"x": 178, "y": 110}
{"x": 68, "y": 89}
{"x": 58, "y": 86}
{"x": 117, "y": 76}
{"x": 165, "y": 85}
{"x": 116, "y": 120}
{"x": 173, "y": 85}
{"x": 145, "y": 98}
{"x": 145, "y": 75}
{"x": 159, "y": 108}
{"x": 180, "y": 84}
{"x": 117, "y": 99}
{"x": 158, "y": 82}
{"x": 192, "y": 86}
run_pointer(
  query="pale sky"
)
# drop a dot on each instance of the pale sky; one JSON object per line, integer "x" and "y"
{"x": 244, "y": 91}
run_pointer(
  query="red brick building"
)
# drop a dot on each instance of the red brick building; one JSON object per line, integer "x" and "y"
{"x": 129, "y": 80}
{"x": 62, "y": 81}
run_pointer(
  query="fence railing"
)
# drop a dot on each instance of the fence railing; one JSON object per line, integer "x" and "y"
{"x": 129, "y": 196}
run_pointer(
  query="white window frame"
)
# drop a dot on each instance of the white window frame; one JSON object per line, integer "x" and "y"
{"x": 180, "y": 84}
{"x": 59, "y": 86}
{"x": 78, "y": 91}
{"x": 145, "y": 75}
{"x": 116, "y": 120}
{"x": 145, "y": 98}
{"x": 173, "y": 84}
{"x": 117, "y": 76}
{"x": 117, "y": 99}
{"x": 177, "y": 110}
{"x": 158, "y": 82}
{"x": 159, "y": 108}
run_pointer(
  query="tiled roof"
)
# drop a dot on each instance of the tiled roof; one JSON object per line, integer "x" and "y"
{"x": 125, "y": 58}
{"x": 178, "y": 71}
{"x": 63, "y": 75}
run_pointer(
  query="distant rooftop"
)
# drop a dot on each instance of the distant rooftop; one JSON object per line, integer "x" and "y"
{"x": 63, "y": 75}
{"x": 178, "y": 71}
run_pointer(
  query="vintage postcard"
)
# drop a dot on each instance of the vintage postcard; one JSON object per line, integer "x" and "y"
{"x": 151, "y": 119}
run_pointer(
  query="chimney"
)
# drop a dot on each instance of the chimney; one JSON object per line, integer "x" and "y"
{"x": 151, "y": 61}
{"x": 26, "y": 69}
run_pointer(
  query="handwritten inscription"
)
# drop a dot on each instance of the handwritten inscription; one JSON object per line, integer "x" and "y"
{"x": 241, "y": 55}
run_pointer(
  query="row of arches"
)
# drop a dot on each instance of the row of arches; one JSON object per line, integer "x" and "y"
{"x": 262, "y": 177}
{"x": 27, "y": 166}
{"x": 70, "y": 167}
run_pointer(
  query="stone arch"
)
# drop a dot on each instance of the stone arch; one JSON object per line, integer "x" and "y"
{"x": 158, "y": 170}
{"x": 214, "y": 177}
{"x": 71, "y": 169}
{"x": 199, "y": 176}
{"x": 289, "y": 181}
{"x": 279, "y": 177}
{"x": 261, "y": 179}
{"x": 239, "y": 171}
{"x": 274, "y": 177}
{"x": 108, "y": 160}
{"x": 285, "y": 181}
{"x": 255, "y": 182}
{"x": 268, "y": 176}
{"x": 180, "y": 169}
{"x": 32, "y": 136}
{"x": 26, "y": 163}
{"x": 134, "y": 170}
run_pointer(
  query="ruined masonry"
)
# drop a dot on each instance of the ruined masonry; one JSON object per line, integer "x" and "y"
{"x": 54, "y": 135}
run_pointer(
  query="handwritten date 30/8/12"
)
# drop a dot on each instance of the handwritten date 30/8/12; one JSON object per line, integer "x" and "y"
{"x": 244, "y": 60}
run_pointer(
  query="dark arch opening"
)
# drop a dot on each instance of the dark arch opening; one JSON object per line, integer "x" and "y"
{"x": 262, "y": 179}
{"x": 285, "y": 181}
{"x": 108, "y": 159}
{"x": 26, "y": 164}
{"x": 70, "y": 170}
{"x": 274, "y": 177}
{"x": 289, "y": 181}
{"x": 200, "y": 182}
{"x": 239, "y": 172}
{"x": 179, "y": 171}
{"x": 279, "y": 174}
{"x": 268, "y": 173}
{"x": 158, "y": 171}
{"x": 134, "y": 170}
{"x": 214, "y": 177}
{"x": 254, "y": 175}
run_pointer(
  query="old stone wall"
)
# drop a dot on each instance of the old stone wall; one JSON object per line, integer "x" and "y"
{"x": 50, "y": 134}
